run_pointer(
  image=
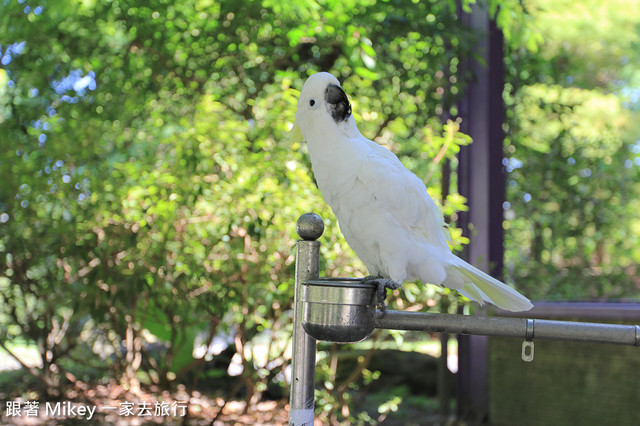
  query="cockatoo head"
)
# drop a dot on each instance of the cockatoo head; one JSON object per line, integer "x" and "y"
{"x": 322, "y": 105}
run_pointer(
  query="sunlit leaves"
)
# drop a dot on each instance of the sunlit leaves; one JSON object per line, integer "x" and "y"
{"x": 572, "y": 209}
{"x": 148, "y": 182}
{"x": 591, "y": 120}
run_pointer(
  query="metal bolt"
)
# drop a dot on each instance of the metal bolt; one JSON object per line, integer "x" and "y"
{"x": 310, "y": 226}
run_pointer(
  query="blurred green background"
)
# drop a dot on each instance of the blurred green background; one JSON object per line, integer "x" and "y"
{"x": 149, "y": 197}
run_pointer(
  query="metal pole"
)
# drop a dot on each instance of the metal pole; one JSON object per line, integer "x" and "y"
{"x": 511, "y": 327}
{"x": 303, "y": 363}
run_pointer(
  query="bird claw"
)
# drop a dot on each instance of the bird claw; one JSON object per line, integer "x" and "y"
{"x": 382, "y": 285}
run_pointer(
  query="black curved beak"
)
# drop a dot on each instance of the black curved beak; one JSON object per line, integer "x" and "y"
{"x": 337, "y": 103}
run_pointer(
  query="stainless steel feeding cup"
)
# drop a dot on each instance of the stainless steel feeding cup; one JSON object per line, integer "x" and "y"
{"x": 338, "y": 310}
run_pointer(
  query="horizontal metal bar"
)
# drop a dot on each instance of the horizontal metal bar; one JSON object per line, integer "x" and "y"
{"x": 587, "y": 332}
{"x": 510, "y": 327}
{"x": 608, "y": 311}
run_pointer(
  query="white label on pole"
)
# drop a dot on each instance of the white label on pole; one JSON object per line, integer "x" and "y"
{"x": 301, "y": 417}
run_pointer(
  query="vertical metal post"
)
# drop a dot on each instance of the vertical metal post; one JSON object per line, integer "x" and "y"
{"x": 303, "y": 363}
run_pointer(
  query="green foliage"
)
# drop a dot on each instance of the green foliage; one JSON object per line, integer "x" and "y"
{"x": 149, "y": 198}
{"x": 573, "y": 184}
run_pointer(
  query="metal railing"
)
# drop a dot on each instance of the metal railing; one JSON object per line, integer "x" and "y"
{"x": 343, "y": 310}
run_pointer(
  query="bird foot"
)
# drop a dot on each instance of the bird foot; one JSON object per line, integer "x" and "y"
{"x": 383, "y": 284}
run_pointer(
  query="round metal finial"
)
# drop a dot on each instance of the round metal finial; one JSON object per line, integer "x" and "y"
{"x": 310, "y": 226}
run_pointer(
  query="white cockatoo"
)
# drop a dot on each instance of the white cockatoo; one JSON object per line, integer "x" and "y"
{"x": 383, "y": 209}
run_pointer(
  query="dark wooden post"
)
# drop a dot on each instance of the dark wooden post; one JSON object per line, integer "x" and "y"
{"x": 482, "y": 181}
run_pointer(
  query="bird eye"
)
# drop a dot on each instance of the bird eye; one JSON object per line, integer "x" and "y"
{"x": 312, "y": 102}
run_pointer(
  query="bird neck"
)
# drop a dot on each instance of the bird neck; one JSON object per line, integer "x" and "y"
{"x": 331, "y": 141}
{"x": 334, "y": 153}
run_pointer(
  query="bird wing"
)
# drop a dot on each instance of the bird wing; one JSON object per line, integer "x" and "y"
{"x": 401, "y": 193}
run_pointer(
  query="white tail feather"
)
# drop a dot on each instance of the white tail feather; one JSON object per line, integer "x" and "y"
{"x": 483, "y": 287}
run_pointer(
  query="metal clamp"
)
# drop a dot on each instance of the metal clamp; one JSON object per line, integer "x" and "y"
{"x": 527, "y": 345}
